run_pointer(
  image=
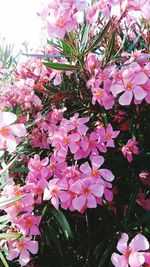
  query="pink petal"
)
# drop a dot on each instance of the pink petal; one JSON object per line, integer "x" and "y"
{"x": 140, "y": 78}
{"x": 8, "y": 118}
{"x": 91, "y": 201}
{"x": 117, "y": 88}
{"x": 55, "y": 202}
{"x": 18, "y": 129}
{"x": 11, "y": 143}
{"x": 119, "y": 260}
{"x": 139, "y": 243}
{"x": 136, "y": 259}
{"x": 107, "y": 175}
{"x": 107, "y": 101}
{"x": 76, "y": 187}
{"x": 108, "y": 195}
{"x": 24, "y": 257}
{"x": 122, "y": 243}
{"x": 12, "y": 254}
{"x": 85, "y": 168}
{"x": 64, "y": 196}
{"x": 97, "y": 190}
{"x": 79, "y": 202}
{"x": 125, "y": 98}
{"x": 46, "y": 195}
{"x": 139, "y": 93}
{"x": 32, "y": 246}
{"x": 97, "y": 161}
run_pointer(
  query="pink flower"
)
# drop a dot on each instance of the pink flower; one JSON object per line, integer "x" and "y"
{"x": 76, "y": 123}
{"x": 39, "y": 167}
{"x": 8, "y": 131}
{"x": 22, "y": 249}
{"x": 29, "y": 225}
{"x": 56, "y": 192}
{"x": 132, "y": 253}
{"x": 107, "y": 135}
{"x": 129, "y": 149}
{"x": 130, "y": 84}
{"x": 103, "y": 97}
{"x": 86, "y": 193}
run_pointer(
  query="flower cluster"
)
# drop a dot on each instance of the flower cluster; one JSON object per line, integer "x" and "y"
{"x": 74, "y": 136}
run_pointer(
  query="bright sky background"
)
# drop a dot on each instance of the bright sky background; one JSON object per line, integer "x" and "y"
{"x": 19, "y": 22}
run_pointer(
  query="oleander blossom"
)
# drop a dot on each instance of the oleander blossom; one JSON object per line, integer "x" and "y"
{"x": 9, "y": 131}
{"x": 21, "y": 249}
{"x": 129, "y": 149}
{"x": 132, "y": 254}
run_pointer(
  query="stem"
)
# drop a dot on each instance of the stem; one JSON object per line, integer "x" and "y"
{"x": 3, "y": 260}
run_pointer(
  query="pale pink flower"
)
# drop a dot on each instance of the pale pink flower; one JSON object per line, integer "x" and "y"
{"x": 131, "y": 85}
{"x": 29, "y": 225}
{"x": 56, "y": 192}
{"x": 39, "y": 167}
{"x": 129, "y": 149}
{"x": 8, "y": 131}
{"x": 86, "y": 193}
{"x": 22, "y": 249}
{"x": 133, "y": 255}
{"x": 107, "y": 135}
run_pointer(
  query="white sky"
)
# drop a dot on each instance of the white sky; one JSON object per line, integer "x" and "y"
{"x": 19, "y": 22}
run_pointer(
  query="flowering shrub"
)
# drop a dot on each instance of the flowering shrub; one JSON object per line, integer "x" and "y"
{"x": 74, "y": 140}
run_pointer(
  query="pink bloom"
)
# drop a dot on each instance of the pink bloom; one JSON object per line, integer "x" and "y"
{"x": 129, "y": 149}
{"x": 76, "y": 123}
{"x": 132, "y": 253}
{"x": 131, "y": 84}
{"x": 29, "y": 225}
{"x": 22, "y": 249}
{"x": 8, "y": 131}
{"x": 103, "y": 97}
{"x": 86, "y": 193}
{"x": 56, "y": 192}
{"x": 107, "y": 135}
{"x": 39, "y": 167}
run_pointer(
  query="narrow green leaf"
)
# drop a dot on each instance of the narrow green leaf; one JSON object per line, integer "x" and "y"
{"x": 3, "y": 259}
{"x": 133, "y": 44}
{"x": 131, "y": 205}
{"x": 37, "y": 120}
{"x": 3, "y": 218}
{"x": 106, "y": 254}
{"x": 62, "y": 221}
{"x": 60, "y": 66}
{"x": 99, "y": 38}
{"x": 10, "y": 235}
{"x": 84, "y": 37}
{"x": 110, "y": 47}
{"x": 67, "y": 48}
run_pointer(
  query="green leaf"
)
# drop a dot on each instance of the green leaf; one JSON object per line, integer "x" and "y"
{"x": 84, "y": 36}
{"x": 10, "y": 235}
{"x": 60, "y": 66}
{"x": 67, "y": 48}
{"x": 52, "y": 235}
{"x": 141, "y": 221}
{"x": 131, "y": 204}
{"x": 3, "y": 218}
{"x": 110, "y": 47}
{"x": 37, "y": 120}
{"x": 133, "y": 44}
{"x": 99, "y": 38}
{"x": 3, "y": 259}
{"x": 62, "y": 221}
{"x": 106, "y": 254}
{"x": 10, "y": 201}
